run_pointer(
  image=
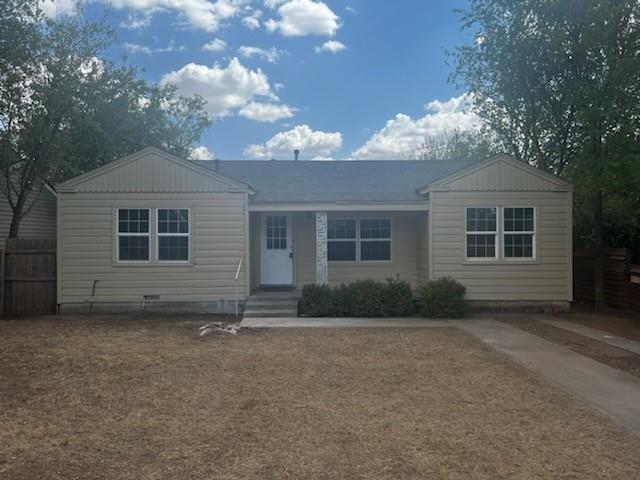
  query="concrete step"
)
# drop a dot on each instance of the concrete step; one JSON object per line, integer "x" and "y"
{"x": 265, "y": 313}
{"x": 283, "y": 303}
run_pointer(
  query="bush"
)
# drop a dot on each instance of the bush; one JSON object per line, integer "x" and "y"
{"x": 365, "y": 298}
{"x": 443, "y": 298}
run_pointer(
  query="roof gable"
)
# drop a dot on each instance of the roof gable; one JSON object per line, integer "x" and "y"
{"x": 152, "y": 170}
{"x": 499, "y": 173}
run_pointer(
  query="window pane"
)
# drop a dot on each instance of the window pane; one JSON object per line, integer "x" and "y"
{"x": 481, "y": 246}
{"x": 341, "y": 251}
{"x": 173, "y": 248}
{"x": 276, "y": 233}
{"x": 133, "y": 248}
{"x": 173, "y": 220}
{"x": 518, "y": 219}
{"x": 373, "y": 228}
{"x": 133, "y": 220}
{"x": 518, "y": 245}
{"x": 341, "y": 229}
{"x": 376, "y": 250}
{"x": 481, "y": 219}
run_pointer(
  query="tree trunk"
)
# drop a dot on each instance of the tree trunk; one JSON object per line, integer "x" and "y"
{"x": 598, "y": 251}
{"x": 15, "y": 225}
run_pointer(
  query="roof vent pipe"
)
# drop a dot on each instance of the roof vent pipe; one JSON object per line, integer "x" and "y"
{"x": 296, "y": 154}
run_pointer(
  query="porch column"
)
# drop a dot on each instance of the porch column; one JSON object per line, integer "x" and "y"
{"x": 322, "y": 273}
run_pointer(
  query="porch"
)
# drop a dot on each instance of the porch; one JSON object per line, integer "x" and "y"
{"x": 292, "y": 248}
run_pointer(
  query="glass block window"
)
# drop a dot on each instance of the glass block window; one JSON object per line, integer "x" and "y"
{"x": 481, "y": 232}
{"x": 133, "y": 234}
{"x": 276, "y": 232}
{"x": 341, "y": 240}
{"x": 375, "y": 239}
{"x": 519, "y": 232}
{"x": 173, "y": 234}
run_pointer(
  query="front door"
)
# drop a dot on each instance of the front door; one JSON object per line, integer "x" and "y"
{"x": 276, "y": 250}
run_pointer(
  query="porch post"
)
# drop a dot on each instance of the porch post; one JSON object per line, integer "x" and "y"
{"x": 322, "y": 273}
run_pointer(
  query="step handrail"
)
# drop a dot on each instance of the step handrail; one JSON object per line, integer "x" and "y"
{"x": 235, "y": 279}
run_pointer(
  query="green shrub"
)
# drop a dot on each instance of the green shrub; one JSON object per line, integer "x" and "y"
{"x": 443, "y": 298}
{"x": 364, "y": 298}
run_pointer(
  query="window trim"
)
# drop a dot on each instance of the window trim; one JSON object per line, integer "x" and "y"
{"x": 496, "y": 233}
{"x": 360, "y": 239}
{"x": 534, "y": 242}
{"x": 174, "y": 234}
{"x": 130, "y": 234}
{"x": 354, "y": 239}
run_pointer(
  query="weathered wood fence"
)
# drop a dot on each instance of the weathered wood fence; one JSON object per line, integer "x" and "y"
{"x": 621, "y": 279}
{"x": 28, "y": 276}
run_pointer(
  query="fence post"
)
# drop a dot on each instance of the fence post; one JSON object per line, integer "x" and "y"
{"x": 2, "y": 273}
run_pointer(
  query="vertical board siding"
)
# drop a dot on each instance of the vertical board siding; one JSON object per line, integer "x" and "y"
{"x": 40, "y": 222}
{"x": 423, "y": 249}
{"x": 86, "y": 244}
{"x": 545, "y": 279}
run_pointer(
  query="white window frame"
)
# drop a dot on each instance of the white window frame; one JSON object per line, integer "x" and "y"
{"x": 528, "y": 232}
{"x": 354, "y": 240}
{"x": 132, "y": 234}
{"x": 188, "y": 235}
{"x": 388, "y": 239}
{"x": 495, "y": 233}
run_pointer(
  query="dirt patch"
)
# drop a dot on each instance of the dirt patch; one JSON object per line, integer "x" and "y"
{"x": 602, "y": 352}
{"x": 616, "y": 322}
{"x": 151, "y": 400}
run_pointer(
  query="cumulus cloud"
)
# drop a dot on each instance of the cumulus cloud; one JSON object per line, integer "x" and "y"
{"x": 200, "y": 153}
{"x": 226, "y": 89}
{"x": 332, "y": 46}
{"x": 271, "y": 55}
{"x": 215, "y": 45}
{"x": 134, "y": 48}
{"x": 302, "y": 17}
{"x": 266, "y": 111}
{"x": 311, "y": 143}
{"x": 402, "y": 136}
{"x": 252, "y": 21}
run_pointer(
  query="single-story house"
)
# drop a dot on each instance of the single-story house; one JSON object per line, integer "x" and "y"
{"x": 152, "y": 227}
{"x": 40, "y": 220}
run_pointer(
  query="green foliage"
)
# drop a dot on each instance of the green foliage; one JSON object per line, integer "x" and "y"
{"x": 66, "y": 109}
{"x": 365, "y": 298}
{"x": 443, "y": 298}
{"x": 474, "y": 145}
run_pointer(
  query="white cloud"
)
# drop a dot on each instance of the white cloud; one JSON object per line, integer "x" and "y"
{"x": 200, "y": 153}
{"x": 215, "y": 45}
{"x": 302, "y": 17}
{"x": 135, "y": 48}
{"x": 226, "y": 89}
{"x": 332, "y": 46}
{"x": 137, "y": 22}
{"x": 311, "y": 143}
{"x": 204, "y": 15}
{"x": 252, "y": 21}
{"x": 265, "y": 111}
{"x": 402, "y": 136}
{"x": 271, "y": 55}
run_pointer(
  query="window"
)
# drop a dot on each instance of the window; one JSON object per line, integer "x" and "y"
{"x": 519, "y": 232}
{"x": 133, "y": 235}
{"x": 173, "y": 234}
{"x": 375, "y": 239}
{"x": 341, "y": 240}
{"x": 481, "y": 232}
{"x": 276, "y": 232}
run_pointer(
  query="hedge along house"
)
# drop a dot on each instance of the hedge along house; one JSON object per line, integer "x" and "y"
{"x": 153, "y": 228}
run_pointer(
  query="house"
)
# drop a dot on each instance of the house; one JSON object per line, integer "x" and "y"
{"x": 153, "y": 228}
{"x": 40, "y": 220}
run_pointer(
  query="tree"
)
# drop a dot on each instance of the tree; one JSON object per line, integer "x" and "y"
{"x": 472, "y": 145}
{"x": 65, "y": 108}
{"x": 559, "y": 83}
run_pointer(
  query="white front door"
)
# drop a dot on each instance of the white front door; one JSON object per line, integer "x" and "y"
{"x": 276, "y": 250}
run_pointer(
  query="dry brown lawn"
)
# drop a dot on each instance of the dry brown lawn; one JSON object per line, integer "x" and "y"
{"x": 110, "y": 399}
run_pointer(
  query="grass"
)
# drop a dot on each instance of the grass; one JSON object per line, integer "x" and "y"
{"x": 152, "y": 400}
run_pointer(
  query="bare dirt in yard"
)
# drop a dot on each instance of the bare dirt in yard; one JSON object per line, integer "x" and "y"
{"x": 152, "y": 400}
{"x": 602, "y": 352}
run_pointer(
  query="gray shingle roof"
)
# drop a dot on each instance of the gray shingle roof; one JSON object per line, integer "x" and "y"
{"x": 336, "y": 181}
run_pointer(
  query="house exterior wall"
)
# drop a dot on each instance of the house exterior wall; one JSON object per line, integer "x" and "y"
{"x": 40, "y": 222}
{"x": 545, "y": 279}
{"x": 86, "y": 248}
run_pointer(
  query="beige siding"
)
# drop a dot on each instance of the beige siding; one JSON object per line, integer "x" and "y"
{"x": 87, "y": 249}
{"x": 545, "y": 279}
{"x": 40, "y": 222}
{"x": 423, "y": 248}
{"x": 304, "y": 244}
{"x": 254, "y": 249}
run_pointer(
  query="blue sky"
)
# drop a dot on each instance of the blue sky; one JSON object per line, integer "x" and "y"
{"x": 336, "y": 79}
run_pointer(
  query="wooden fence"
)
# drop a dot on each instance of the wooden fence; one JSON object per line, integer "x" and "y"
{"x": 621, "y": 279}
{"x": 28, "y": 276}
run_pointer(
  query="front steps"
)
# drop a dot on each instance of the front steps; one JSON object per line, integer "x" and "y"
{"x": 271, "y": 305}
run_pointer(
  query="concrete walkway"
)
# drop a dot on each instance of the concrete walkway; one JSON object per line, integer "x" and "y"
{"x": 612, "y": 391}
{"x": 332, "y": 322}
{"x": 608, "y": 338}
